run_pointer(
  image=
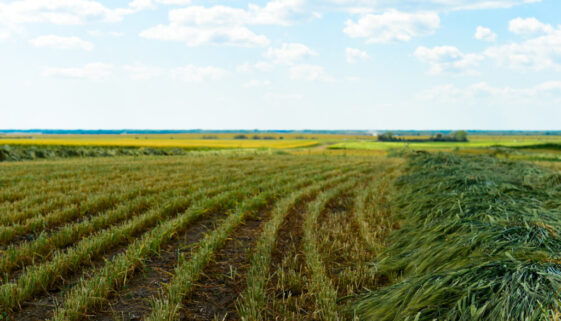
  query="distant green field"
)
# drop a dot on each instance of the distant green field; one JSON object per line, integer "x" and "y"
{"x": 475, "y": 142}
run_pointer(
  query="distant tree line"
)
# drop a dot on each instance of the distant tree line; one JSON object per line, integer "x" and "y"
{"x": 458, "y": 136}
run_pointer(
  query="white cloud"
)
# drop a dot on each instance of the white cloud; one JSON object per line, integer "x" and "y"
{"x": 441, "y": 5}
{"x": 257, "y": 83}
{"x": 392, "y": 25}
{"x": 309, "y": 73}
{"x": 262, "y": 66}
{"x": 93, "y": 71}
{"x": 528, "y": 26}
{"x": 245, "y": 67}
{"x": 196, "y": 36}
{"x": 276, "y": 97}
{"x": 143, "y": 72}
{"x": 64, "y": 12}
{"x": 100, "y": 33}
{"x": 484, "y": 4}
{"x": 289, "y": 53}
{"x": 193, "y": 73}
{"x": 448, "y": 59}
{"x": 223, "y": 25}
{"x": 540, "y": 53}
{"x": 139, "y": 5}
{"x": 4, "y": 35}
{"x": 546, "y": 91}
{"x": 200, "y": 16}
{"x": 354, "y": 55}
{"x": 277, "y": 12}
{"x": 174, "y": 2}
{"x": 485, "y": 34}
{"x": 58, "y": 42}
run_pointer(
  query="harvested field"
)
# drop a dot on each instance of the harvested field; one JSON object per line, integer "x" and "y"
{"x": 262, "y": 236}
{"x": 198, "y": 237}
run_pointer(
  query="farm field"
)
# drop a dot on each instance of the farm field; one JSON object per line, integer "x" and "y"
{"x": 474, "y": 142}
{"x": 295, "y": 142}
{"x": 160, "y": 142}
{"x": 199, "y": 237}
{"x": 275, "y": 236}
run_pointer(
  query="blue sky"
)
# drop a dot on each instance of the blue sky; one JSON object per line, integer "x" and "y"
{"x": 280, "y": 64}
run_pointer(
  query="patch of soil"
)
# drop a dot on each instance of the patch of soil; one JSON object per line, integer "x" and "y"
{"x": 288, "y": 248}
{"x": 290, "y": 234}
{"x": 215, "y": 294}
{"x": 132, "y": 301}
{"x": 337, "y": 209}
{"x": 43, "y": 305}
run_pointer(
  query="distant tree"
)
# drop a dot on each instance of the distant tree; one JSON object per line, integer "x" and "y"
{"x": 387, "y": 137}
{"x": 240, "y": 136}
{"x": 460, "y": 136}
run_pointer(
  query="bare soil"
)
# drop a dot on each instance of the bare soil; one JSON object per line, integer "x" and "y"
{"x": 132, "y": 301}
{"x": 215, "y": 295}
{"x": 287, "y": 258}
{"x": 42, "y": 306}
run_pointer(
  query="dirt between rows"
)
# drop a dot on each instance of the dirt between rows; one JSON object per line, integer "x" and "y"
{"x": 339, "y": 209}
{"x": 43, "y": 305}
{"x": 288, "y": 245}
{"x": 15, "y": 271}
{"x": 132, "y": 301}
{"x": 215, "y": 295}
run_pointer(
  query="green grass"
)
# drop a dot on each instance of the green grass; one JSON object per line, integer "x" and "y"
{"x": 475, "y": 142}
{"x": 480, "y": 240}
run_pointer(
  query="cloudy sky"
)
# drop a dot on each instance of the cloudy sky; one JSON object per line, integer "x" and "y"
{"x": 280, "y": 64}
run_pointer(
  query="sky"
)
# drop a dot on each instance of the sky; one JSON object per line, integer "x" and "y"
{"x": 280, "y": 64}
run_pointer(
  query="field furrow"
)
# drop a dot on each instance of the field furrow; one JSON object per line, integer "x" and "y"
{"x": 43, "y": 195}
{"x": 94, "y": 291}
{"x": 169, "y": 304}
{"x": 217, "y": 292}
{"x": 41, "y": 248}
{"x": 299, "y": 287}
{"x": 93, "y": 204}
{"x": 251, "y": 301}
{"x": 132, "y": 300}
{"x": 206, "y": 236}
{"x": 34, "y": 278}
{"x": 320, "y": 288}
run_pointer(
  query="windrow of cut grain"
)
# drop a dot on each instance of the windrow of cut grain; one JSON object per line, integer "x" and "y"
{"x": 480, "y": 240}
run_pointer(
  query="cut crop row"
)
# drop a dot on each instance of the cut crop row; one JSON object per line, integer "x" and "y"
{"x": 142, "y": 178}
{"x": 93, "y": 205}
{"x": 188, "y": 271}
{"x": 252, "y": 300}
{"x": 45, "y": 243}
{"x": 93, "y": 290}
{"x": 42, "y": 276}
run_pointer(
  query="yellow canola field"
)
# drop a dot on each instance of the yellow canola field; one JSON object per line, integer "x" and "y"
{"x": 171, "y": 143}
